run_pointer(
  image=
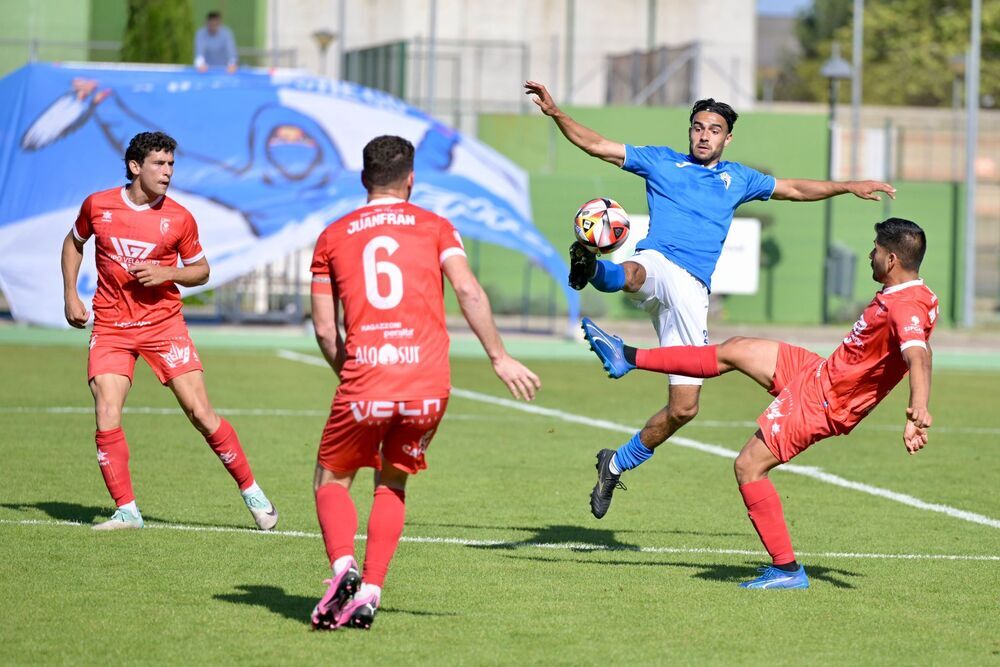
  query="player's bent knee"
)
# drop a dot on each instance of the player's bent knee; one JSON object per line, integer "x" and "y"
{"x": 682, "y": 414}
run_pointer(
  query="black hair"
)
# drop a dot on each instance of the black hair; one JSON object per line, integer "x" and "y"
{"x": 214, "y": 14}
{"x": 388, "y": 159}
{"x": 145, "y": 143}
{"x": 903, "y": 238}
{"x": 720, "y": 108}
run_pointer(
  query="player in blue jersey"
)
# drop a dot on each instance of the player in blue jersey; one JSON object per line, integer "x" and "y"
{"x": 692, "y": 198}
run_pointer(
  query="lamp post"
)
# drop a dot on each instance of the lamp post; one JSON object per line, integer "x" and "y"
{"x": 323, "y": 39}
{"x": 834, "y": 70}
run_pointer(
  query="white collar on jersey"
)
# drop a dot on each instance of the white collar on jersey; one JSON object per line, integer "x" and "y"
{"x": 902, "y": 286}
{"x": 384, "y": 201}
{"x": 136, "y": 207}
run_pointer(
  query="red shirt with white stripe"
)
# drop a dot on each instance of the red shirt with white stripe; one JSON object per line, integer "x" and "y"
{"x": 869, "y": 362}
{"x": 160, "y": 232}
{"x": 383, "y": 262}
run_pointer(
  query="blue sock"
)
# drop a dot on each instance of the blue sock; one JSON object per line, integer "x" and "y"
{"x": 610, "y": 277}
{"x": 631, "y": 454}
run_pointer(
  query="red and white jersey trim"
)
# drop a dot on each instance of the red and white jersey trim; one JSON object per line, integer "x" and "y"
{"x": 137, "y": 207}
{"x": 450, "y": 252}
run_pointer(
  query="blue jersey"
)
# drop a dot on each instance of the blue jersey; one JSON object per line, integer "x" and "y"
{"x": 691, "y": 206}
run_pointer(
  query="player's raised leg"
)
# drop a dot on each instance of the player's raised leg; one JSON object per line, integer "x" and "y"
{"x": 110, "y": 391}
{"x": 189, "y": 388}
{"x": 338, "y": 520}
{"x": 764, "y": 509}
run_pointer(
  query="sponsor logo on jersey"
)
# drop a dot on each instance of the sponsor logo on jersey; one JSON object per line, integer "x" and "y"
{"x": 854, "y": 338}
{"x": 362, "y": 410}
{"x": 379, "y": 219}
{"x": 129, "y": 251}
{"x": 681, "y": 165}
{"x": 387, "y": 354}
{"x": 725, "y": 178}
{"x": 106, "y": 216}
{"x": 914, "y": 326}
{"x": 176, "y": 355}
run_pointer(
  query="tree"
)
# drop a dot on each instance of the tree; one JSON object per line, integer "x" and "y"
{"x": 159, "y": 31}
{"x": 909, "y": 46}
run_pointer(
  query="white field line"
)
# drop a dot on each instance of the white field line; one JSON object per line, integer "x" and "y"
{"x": 509, "y": 544}
{"x": 283, "y": 412}
{"x": 236, "y": 412}
{"x": 808, "y": 471}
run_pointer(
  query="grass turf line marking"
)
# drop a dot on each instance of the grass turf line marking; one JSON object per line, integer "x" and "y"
{"x": 508, "y": 544}
{"x": 807, "y": 471}
{"x": 236, "y": 412}
{"x": 287, "y": 412}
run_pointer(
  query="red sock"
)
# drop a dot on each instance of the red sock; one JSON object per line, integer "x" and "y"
{"x": 112, "y": 456}
{"x": 226, "y": 445}
{"x": 764, "y": 508}
{"x": 385, "y": 527}
{"x": 690, "y": 360}
{"x": 337, "y": 519}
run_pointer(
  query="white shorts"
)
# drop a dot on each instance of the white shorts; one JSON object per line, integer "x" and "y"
{"x": 676, "y": 302}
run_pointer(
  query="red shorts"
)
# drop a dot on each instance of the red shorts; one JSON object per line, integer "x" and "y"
{"x": 797, "y": 417}
{"x": 357, "y": 432}
{"x": 165, "y": 346}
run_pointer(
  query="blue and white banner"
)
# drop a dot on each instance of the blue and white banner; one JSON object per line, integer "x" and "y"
{"x": 265, "y": 160}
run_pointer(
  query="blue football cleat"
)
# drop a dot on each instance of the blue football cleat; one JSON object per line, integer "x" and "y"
{"x": 772, "y": 577}
{"x": 608, "y": 348}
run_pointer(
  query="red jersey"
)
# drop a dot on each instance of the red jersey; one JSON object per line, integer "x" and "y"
{"x": 869, "y": 363}
{"x": 127, "y": 234}
{"x": 383, "y": 261}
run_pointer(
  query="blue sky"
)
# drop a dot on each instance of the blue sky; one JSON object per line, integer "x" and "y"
{"x": 781, "y": 7}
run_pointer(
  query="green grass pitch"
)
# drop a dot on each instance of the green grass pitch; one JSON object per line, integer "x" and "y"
{"x": 501, "y": 561}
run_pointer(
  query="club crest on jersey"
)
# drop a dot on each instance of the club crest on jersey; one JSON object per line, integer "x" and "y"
{"x": 106, "y": 216}
{"x": 164, "y": 226}
{"x": 725, "y": 178}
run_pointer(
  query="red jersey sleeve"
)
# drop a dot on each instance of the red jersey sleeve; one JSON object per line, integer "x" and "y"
{"x": 322, "y": 281}
{"x": 911, "y": 322}
{"x": 449, "y": 241}
{"x": 83, "y": 228}
{"x": 189, "y": 248}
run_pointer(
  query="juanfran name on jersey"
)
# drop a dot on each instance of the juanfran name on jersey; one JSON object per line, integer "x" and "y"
{"x": 379, "y": 219}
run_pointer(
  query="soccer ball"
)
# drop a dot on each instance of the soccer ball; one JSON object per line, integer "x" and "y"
{"x": 601, "y": 225}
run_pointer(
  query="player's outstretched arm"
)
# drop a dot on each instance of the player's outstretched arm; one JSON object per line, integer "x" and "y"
{"x": 72, "y": 257}
{"x": 918, "y": 417}
{"x": 803, "y": 189}
{"x": 520, "y": 381}
{"x": 582, "y": 137}
{"x": 324, "y": 316}
{"x": 189, "y": 275}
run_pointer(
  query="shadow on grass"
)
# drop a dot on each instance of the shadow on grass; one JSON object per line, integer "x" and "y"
{"x": 296, "y": 607}
{"x": 88, "y": 514}
{"x": 430, "y": 524}
{"x": 576, "y": 538}
{"x": 714, "y": 572}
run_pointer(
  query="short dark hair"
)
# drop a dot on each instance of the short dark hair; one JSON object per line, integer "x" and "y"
{"x": 903, "y": 238}
{"x": 720, "y": 108}
{"x": 214, "y": 14}
{"x": 145, "y": 143}
{"x": 388, "y": 159}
